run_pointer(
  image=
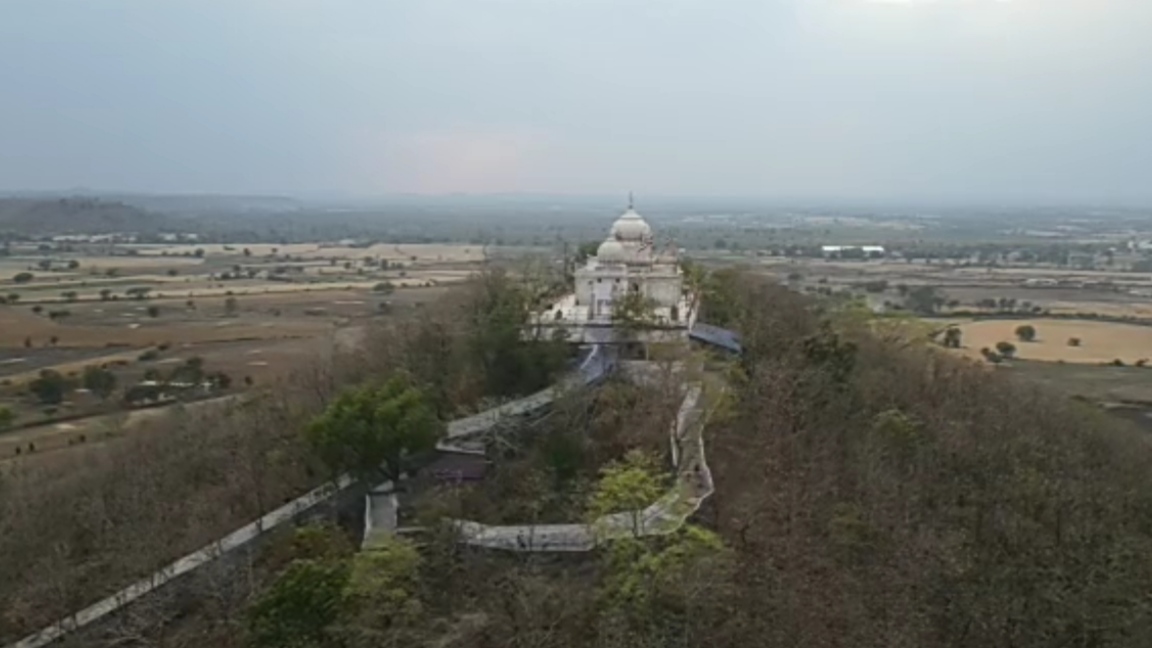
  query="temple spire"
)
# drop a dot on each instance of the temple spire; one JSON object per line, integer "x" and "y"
{"x": 630, "y": 203}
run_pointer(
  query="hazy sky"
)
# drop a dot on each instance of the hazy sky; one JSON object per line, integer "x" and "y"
{"x": 957, "y": 99}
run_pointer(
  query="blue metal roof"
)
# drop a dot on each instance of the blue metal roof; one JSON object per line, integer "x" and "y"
{"x": 716, "y": 336}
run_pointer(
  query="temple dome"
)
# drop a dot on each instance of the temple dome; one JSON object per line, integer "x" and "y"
{"x": 611, "y": 251}
{"x": 631, "y": 227}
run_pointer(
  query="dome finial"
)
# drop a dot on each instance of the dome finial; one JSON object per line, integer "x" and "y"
{"x": 630, "y": 203}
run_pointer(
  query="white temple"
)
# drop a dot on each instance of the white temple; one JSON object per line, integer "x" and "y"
{"x": 628, "y": 260}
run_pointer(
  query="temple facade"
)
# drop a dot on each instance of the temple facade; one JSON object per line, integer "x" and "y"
{"x": 628, "y": 261}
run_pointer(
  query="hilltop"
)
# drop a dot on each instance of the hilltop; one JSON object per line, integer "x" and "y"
{"x": 871, "y": 490}
{"x": 76, "y": 215}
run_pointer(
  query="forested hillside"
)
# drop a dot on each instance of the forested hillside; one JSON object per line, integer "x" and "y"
{"x": 33, "y": 217}
{"x": 870, "y": 492}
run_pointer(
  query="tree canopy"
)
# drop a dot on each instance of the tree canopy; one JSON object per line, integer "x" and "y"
{"x": 50, "y": 387}
{"x": 99, "y": 381}
{"x": 299, "y": 607}
{"x": 1026, "y": 332}
{"x": 631, "y": 484}
{"x": 633, "y": 311}
{"x": 370, "y": 431}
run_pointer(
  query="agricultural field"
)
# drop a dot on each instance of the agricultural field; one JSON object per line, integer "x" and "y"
{"x": 142, "y": 313}
{"x": 1105, "y": 384}
{"x": 1107, "y": 311}
{"x": 1068, "y": 341}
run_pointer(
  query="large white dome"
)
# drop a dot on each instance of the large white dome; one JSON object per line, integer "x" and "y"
{"x": 631, "y": 227}
{"x": 611, "y": 251}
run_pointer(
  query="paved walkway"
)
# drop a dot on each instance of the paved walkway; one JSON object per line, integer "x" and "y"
{"x": 380, "y": 514}
{"x": 234, "y": 540}
{"x": 694, "y": 485}
{"x": 666, "y": 515}
{"x": 466, "y": 435}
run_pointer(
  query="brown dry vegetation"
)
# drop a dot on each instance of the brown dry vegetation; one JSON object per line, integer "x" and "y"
{"x": 922, "y": 501}
{"x": 82, "y": 527}
{"x": 588, "y": 428}
{"x": 871, "y": 492}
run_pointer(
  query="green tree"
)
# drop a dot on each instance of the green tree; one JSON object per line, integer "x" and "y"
{"x": 50, "y": 387}
{"x": 1006, "y": 349}
{"x": 99, "y": 381}
{"x": 153, "y": 311}
{"x": 1026, "y": 332}
{"x": 297, "y": 610}
{"x": 633, "y": 312}
{"x": 382, "y": 588}
{"x": 105, "y": 294}
{"x": 23, "y": 277}
{"x": 192, "y": 371}
{"x": 952, "y": 337}
{"x": 628, "y": 485}
{"x": 7, "y": 417}
{"x": 231, "y": 306}
{"x": 371, "y": 431}
{"x": 498, "y": 314}
{"x": 925, "y": 300}
{"x": 639, "y": 574}
{"x": 586, "y": 250}
{"x": 719, "y": 296}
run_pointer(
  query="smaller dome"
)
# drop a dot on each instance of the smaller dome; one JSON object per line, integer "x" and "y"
{"x": 611, "y": 251}
{"x": 631, "y": 227}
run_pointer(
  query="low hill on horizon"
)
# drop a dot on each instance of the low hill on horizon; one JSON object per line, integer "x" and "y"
{"x": 76, "y": 215}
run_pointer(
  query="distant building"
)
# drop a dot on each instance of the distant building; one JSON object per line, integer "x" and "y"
{"x": 176, "y": 237}
{"x": 853, "y": 251}
{"x": 96, "y": 238}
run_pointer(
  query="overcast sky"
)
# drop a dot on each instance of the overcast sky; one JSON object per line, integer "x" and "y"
{"x": 1048, "y": 100}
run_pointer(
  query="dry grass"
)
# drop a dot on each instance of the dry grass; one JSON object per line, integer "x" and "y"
{"x": 14, "y": 329}
{"x": 57, "y": 443}
{"x": 1100, "y": 341}
{"x": 435, "y": 252}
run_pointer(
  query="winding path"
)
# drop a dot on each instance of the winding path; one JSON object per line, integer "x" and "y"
{"x": 694, "y": 484}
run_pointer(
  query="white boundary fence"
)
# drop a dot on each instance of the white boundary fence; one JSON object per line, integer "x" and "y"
{"x": 594, "y": 366}
{"x": 664, "y": 516}
{"x": 192, "y": 561}
{"x": 668, "y": 514}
